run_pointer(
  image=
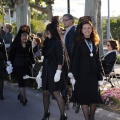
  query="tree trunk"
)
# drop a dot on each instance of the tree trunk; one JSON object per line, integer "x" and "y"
{"x": 99, "y": 28}
{"x": 22, "y": 13}
{"x": 93, "y": 9}
{"x": 49, "y": 9}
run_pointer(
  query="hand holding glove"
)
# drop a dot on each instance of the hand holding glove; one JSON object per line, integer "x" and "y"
{"x": 9, "y": 67}
{"x": 39, "y": 79}
{"x": 57, "y": 75}
{"x": 100, "y": 82}
{"x": 33, "y": 65}
{"x": 72, "y": 80}
{"x": 8, "y": 62}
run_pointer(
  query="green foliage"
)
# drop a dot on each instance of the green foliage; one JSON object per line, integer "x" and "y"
{"x": 114, "y": 28}
{"x": 118, "y": 59}
{"x": 38, "y": 16}
{"x": 37, "y": 26}
{"x": 14, "y": 25}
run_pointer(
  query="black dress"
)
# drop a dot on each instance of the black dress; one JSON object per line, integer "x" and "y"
{"x": 86, "y": 70}
{"x": 22, "y": 60}
{"x": 53, "y": 56}
{"x": 3, "y": 58}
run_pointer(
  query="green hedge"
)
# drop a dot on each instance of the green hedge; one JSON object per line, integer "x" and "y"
{"x": 118, "y": 59}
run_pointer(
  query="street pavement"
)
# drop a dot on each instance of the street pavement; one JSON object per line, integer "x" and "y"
{"x": 12, "y": 109}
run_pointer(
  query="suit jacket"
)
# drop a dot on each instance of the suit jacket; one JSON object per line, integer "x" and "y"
{"x": 83, "y": 63}
{"x": 69, "y": 40}
{"x": 109, "y": 61}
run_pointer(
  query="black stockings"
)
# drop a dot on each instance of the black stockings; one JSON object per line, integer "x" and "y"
{"x": 85, "y": 109}
{"x": 89, "y": 111}
{"x": 60, "y": 102}
{"x": 46, "y": 100}
{"x": 92, "y": 111}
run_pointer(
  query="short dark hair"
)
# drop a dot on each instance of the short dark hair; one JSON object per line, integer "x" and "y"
{"x": 69, "y": 16}
{"x": 39, "y": 34}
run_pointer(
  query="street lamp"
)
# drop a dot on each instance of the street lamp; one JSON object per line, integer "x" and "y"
{"x": 68, "y": 6}
{"x": 108, "y": 23}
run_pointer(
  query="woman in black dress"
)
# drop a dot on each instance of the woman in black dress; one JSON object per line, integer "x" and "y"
{"x": 3, "y": 59}
{"x": 86, "y": 68}
{"x": 21, "y": 57}
{"x": 52, "y": 81}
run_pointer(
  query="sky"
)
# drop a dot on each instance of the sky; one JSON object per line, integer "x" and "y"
{"x": 77, "y": 7}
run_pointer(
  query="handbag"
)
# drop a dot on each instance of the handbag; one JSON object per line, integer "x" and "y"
{"x": 38, "y": 54}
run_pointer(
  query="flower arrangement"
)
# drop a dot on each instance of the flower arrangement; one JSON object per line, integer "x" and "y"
{"x": 111, "y": 96}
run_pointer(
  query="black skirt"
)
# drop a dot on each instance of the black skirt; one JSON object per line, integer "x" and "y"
{"x": 86, "y": 89}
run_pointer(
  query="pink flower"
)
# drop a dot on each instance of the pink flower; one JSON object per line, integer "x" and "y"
{"x": 112, "y": 93}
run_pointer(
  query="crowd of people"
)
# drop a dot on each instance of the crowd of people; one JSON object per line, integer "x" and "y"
{"x": 71, "y": 58}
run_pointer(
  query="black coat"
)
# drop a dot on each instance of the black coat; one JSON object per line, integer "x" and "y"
{"x": 69, "y": 40}
{"x": 109, "y": 61}
{"x": 21, "y": 59}
{"x": 86, "y": 70}
{"x": 35, "y": 50}
{"x": 7, "y": 38}
{"x": 53, "y": 56}
{"x": 3, "y": 58}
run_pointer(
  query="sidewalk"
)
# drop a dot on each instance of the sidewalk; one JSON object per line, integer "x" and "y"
{"x": 36, "y": 94}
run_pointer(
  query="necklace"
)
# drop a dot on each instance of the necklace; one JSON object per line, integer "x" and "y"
{"x": 90, "y": 46}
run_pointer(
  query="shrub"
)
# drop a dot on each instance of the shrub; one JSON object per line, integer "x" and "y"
{"x": 118, "y": 59}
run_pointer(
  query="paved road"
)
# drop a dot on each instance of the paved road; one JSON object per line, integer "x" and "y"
{"x": 12, "y": 109}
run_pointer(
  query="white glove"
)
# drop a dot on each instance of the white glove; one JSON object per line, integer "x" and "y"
{"x": 9, "y": 68}
{"x": 100, "y": 82}
{"x": 72, "y": 81}
{"x": 8, "y": 62}
{"x": 57, "y": 75}
{"x": 70, "y": 75}
{"x": 39, "y": 80}
{"x": 33, "y": 65}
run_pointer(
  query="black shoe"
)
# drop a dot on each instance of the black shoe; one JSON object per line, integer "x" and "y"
{"x": 63, "y": 117}
{"x": 1, "y": 97}
{"x": 20, "y": 98}
{"x": 74, "y": 106}
{"x": 24, "y": 101}
{"x": 46, "y": 116}
{"x": 77, "y": 108}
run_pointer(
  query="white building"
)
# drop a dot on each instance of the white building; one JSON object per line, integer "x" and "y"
{"x": 10, "y": 15}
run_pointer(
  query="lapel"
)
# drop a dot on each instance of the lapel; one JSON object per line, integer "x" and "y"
{"x": 68, "y": 33}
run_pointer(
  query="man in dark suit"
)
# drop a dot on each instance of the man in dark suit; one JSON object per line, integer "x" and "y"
{"x": 69, "y": 37}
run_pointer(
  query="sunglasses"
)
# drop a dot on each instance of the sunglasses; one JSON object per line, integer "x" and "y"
{"x": 64, "y": 20}
{"x": 108, "y": 45}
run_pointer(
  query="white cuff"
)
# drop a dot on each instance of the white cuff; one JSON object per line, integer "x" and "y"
{"x": 100, "y": 82}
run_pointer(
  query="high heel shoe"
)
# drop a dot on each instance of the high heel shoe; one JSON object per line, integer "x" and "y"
{"x": 77, "y": 108}
{"x": 20, "y": 98}
{"x": 24, "y": 101}
{"x": 63, "y": 117}
{"x": 46, "y": 116}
